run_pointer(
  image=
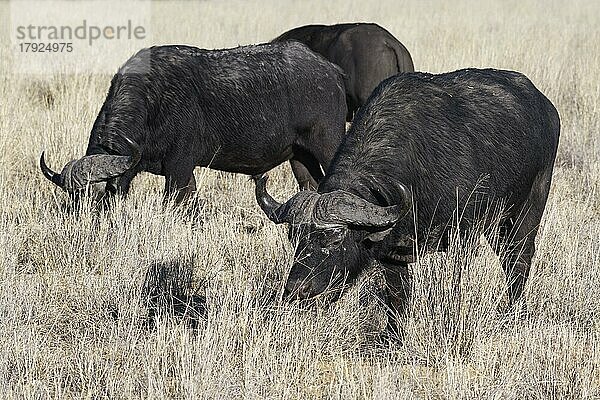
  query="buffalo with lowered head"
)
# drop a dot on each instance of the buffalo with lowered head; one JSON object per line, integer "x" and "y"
{"x": 245, "y": 110}
{"x": 421, "y": 147}
{"x": 366, "y": 52}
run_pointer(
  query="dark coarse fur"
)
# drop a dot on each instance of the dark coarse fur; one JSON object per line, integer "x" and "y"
{"x": 241, "y": 110}
{"x": 366, "y": 52}
{"x": 471, "y": 140}
{"x": 443, "y": 134}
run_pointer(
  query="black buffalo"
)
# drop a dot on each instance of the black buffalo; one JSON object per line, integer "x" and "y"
{"x": 367, "y": 53}
{"x": 246, "y": 110}
{"x": 422, "y": 145}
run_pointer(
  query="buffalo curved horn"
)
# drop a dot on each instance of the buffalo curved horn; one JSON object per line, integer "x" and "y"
{"x": 298, "y": 209}
{"x": 52, "y": 176}
{"x": 102, "y": 167}
{"x": 77, "y": 174}
{"x": 267, "y": 203}
{"x": 350, "y": 209}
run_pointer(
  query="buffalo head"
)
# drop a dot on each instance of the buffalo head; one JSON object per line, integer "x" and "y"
{"x": 334, "y": 233}
{"x": 92, "y": 172}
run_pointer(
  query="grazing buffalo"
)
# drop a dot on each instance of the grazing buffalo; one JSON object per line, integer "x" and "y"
{"x": 246, "y": 110}
{"x": 367, "y": 53}
{"x": 423, "y": 147}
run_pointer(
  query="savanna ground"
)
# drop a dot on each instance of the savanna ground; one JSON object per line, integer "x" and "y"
{"x": 75, "y": 319}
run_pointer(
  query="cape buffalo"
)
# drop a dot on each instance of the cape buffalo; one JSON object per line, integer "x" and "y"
{"x": 367, "y": 53}
{"x": 246, "y": 110}
{"x": 422, "y": 145}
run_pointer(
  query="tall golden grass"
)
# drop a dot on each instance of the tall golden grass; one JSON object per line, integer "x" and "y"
{"x": 75, "y": 289}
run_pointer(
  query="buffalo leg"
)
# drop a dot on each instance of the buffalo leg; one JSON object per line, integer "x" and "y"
{"x": 397, "y": 294}
{"x": 306, "y": 168}
{"x": 515, "y": 250}
{"x": 305, "y": 179}
{"x": 186, "y": 193}
{"x": 352, "y": 108}
{"x": 515, "y": 244}
{"x": 181, "y": 187}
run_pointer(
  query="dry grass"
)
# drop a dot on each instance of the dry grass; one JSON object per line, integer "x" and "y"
{"x": 76, "y": 291}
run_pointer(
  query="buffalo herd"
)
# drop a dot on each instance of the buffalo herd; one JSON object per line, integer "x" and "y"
{"x": 420, "y": 147}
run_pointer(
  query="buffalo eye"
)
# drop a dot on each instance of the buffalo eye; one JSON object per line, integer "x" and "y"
{"x": 332, "y": 238}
